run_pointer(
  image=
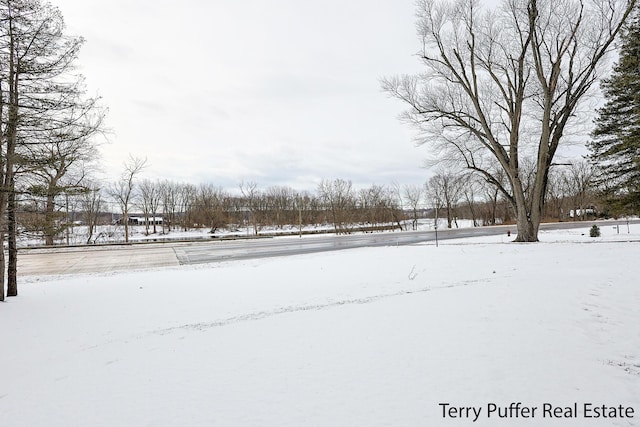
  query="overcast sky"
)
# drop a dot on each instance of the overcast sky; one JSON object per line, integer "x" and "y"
{"x": 280, "y": 92}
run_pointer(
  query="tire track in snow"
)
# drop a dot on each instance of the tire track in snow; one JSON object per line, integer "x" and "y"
{"x": 259, "y": 315}
{"x": 264, "y": 314}
{"x": 599, "y": 306}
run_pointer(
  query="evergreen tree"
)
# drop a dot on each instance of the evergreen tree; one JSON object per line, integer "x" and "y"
{"x": 43, "y": 111}
{"x": 615, "y": 148}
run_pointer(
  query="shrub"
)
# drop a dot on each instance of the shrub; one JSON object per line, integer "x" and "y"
{"x": 594, "y": 231}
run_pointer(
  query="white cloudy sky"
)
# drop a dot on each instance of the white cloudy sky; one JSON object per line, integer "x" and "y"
{"x": 281, "y": 92}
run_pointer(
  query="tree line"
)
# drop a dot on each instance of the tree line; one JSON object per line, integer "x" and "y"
{"x": 335, "y": 204}
{"x": 185, "y": 206}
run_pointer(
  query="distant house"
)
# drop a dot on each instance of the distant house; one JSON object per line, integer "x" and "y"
{"x": 582, "y": 212}
{"x": 141, "y": 220}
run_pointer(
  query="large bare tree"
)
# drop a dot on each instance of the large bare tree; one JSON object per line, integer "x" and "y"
{"x": 504, "y": 85}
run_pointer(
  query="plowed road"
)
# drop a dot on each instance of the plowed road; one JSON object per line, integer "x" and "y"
{"x": 54, "y": 261}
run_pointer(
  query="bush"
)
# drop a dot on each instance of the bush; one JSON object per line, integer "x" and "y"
{"x": 595, "y": 231}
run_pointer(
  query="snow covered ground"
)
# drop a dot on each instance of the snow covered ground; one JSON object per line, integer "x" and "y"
{"x": 365, "y": 337}
{"x": 79, "y": 235}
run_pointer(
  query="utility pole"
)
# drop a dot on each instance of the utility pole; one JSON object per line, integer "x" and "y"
{"x": 300, "y": 215}
{"x": 436, "y": 224}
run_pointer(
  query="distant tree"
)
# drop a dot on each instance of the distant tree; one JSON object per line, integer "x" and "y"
{"x": 615, "y": 148}
{"x": 150, "y": 198}
{"x": 281, "y": 205}
{"x": 170, "y": 191}
{"x": 209, "y": 208}
{"x": 557, "y": 193}
{"x": 414, "y": 195}
{"x": 253, "y": 201}
{"x": 469, "y": 189}
{"x": 339, "y": 197}
{"x": 579, "y": 187}
{"x": 376, "y": 205}
{"x": 307, "y": 208}
{"x": 501, "y": 209}
{"x": 445, "y": 187}
{"x": 505, "y": 84}
{"x": 122, "y": 191}
{"x": 435, "y": 200}
{"x": 91, "y": 204}
{"x": 187, "y": 200}
{"x": 145, "y": 191}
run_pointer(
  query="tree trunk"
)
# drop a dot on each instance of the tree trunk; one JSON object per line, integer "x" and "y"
{"x": 9, "y": 182}
{"x": 530, "y": 214}
{"x": 154, "y": 221}
{"x": 494, "y": 207}
{"x": 527, "y": 229}
{"x": 12, "y": 267}
{"x": 472, "y": 210}
{"x": 165, "y": 215}
{"x": 49, "y": 221}
{"x": 146, "y": 223}
{"x": 2, "y": 266}
{"x": 125, "y": 220}
{"x": 527, "y": 216}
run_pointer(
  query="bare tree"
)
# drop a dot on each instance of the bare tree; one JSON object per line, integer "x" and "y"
{"x": 281, "y": 205}
{"x": 91, "y": 203}
{"x": 579, "y": 179}
{"x": 187, "y": 197}
{"x": 446, "y": 188}
{"x": 150, "y": 198}
{"x": 414, "y": 195}
{"x": 338, "y": 195}
{"x": 435, "y": 199}
{"x": 376, "y": 207}
{"x": 469, "y": 189}
{"x": 142, "y": 202}
{"x": 557, "y": 193}
{"x": 399, "y": 197}
{"x": 506, "y": 85}
{"x": 122, "y": 191}
{"x": 307, "y": 208}
{"x": 253, "y": 202}
{"x": 209, "y": 207}
{"x": 170, "y": 202}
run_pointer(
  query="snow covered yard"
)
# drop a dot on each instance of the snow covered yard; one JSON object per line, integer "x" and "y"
{"x": 365, "y": 337}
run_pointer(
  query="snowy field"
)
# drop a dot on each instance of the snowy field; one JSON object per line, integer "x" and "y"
{"x": 364, "y": 337}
